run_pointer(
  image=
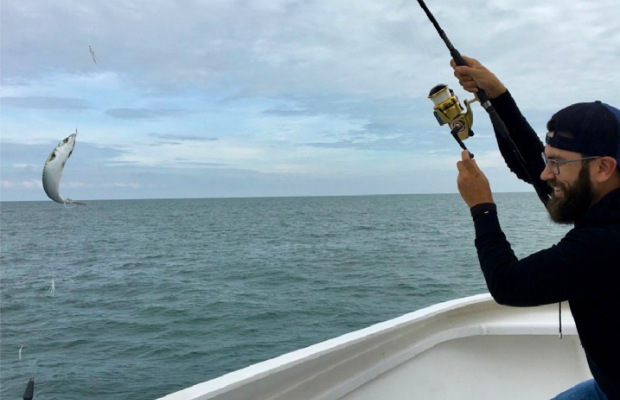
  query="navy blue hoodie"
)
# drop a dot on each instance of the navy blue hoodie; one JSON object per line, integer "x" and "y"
{"x": 583, "y": 268}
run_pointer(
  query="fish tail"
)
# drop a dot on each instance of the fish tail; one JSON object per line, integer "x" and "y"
{"x": 69, "y": 201}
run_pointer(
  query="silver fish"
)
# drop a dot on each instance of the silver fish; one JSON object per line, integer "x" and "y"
{"x": 92, "y": 54}
{"x": 53, "y": 169}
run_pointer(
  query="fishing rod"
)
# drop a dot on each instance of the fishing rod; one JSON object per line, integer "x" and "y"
{"x": 448, "y": 110}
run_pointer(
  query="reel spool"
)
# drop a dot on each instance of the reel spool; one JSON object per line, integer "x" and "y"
{"x": 448, "y": 110}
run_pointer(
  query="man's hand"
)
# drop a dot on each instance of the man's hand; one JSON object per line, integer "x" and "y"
{"x": 472, "y": 183}
{"x": 475, "y": 76}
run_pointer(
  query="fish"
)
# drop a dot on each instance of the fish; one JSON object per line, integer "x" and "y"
{"x": 52, "y": 170}
{"x": 92, "y": 54}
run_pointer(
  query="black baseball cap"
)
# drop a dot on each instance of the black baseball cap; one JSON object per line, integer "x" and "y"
{"x": 592, "y": 129}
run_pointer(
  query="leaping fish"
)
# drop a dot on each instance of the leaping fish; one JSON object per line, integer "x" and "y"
{"x": 53, "y": 169}
{"x": 92, "y": 54}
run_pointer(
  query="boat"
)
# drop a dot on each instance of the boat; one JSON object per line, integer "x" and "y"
{"x": 468, "y": 348}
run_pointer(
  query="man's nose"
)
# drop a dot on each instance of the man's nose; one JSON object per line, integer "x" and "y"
{"x": 546, "y": 174}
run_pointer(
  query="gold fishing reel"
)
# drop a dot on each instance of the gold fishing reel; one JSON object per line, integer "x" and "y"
{"x": 448, "y": 110}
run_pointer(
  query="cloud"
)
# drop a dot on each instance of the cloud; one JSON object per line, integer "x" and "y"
{"x": 29, "y": 184}
{"x": 32, "y": 156}
{"x": 44, "y": 103}
{"x": 25, "y": 166}
{"x": 74, "y": 184}
{"x": 399, "y": 143}
{"x": 143, "y": 113}
{"x": 173, "y": 136}
{"x": 197, "y": 164}
{"x": 283, "y": 87}
{"x": 165, "y": 144}
{"x": 275, "y": 48}
{"x": 290, "y": 113}
{"x": 132, "y": 185}
{"x": 36, "y": 184}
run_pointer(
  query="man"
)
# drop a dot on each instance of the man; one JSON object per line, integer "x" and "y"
{"x": 580, "y": 165}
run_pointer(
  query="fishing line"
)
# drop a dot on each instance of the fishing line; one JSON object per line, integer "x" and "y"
{"x": 93, "y": 57}
{"x": 29, "y": 350}
{"x": 30, "y": 364}
{"x": 428, "y": 51}
{"x": 51, "y": 184}
{"x": 64, "y": 214}
{"x": 540, "y": 187}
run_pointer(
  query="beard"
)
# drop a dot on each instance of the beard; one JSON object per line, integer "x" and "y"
{"x": 576, "y": 201}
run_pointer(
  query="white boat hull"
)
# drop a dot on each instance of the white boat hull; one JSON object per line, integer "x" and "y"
{"x": 470, "y": 348}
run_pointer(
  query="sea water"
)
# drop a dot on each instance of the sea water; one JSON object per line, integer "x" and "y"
{"x": 152, "y": 296}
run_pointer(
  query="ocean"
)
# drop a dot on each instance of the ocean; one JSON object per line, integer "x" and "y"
{"x": 153, "y": 296}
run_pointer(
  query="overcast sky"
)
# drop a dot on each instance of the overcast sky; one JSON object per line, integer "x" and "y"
{"x": 224, "y": 98}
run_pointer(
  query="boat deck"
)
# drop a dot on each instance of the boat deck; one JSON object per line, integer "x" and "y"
{"x": 469, "y": 348}
{"x": 484, "y": 367}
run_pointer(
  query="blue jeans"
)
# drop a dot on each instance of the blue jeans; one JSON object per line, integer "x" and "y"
{"x": 587, "y": 390}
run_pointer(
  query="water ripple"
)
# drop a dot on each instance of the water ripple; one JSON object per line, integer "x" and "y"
{"x": 187, "y": 290}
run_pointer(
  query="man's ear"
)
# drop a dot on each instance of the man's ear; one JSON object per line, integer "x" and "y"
{"x": 605, "y": 170}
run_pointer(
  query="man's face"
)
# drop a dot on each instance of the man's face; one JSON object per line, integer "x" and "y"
{"x": 572, "y": 189}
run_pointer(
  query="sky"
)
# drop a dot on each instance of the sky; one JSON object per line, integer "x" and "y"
{"x": 241, "y": 98}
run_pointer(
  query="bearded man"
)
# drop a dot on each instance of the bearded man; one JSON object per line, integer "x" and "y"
{"x": 580, "y": 164}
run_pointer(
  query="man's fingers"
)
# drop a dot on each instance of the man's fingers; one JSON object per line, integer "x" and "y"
{"x": 476, "y": 73}
{"x": 471, "y": 62}
{"x": 469, "y": 164}
{"x": 463, "y": 78}
{"x": 467, "y": 82}
{"x": 469, "y": 85}
{"x": 465, "y": 155}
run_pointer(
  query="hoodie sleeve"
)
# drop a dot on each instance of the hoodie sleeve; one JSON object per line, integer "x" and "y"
{"x": 579, "y": 265}
{"x": 525, "y": 139}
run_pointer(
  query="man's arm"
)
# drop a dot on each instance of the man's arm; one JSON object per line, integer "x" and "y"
{"x": 580, "y": 265}
{"x": 583, "y": 264}
{"x": 475, "y": 76}
{"x": 525, "y": 139}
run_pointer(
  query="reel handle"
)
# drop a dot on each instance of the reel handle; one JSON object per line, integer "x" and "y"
{"x": 454, "y": 133}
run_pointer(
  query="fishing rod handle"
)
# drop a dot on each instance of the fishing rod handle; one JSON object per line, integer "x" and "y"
{"x": 460, "y": 61}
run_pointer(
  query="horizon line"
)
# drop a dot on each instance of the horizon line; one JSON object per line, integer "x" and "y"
{"x": 259, "y": 197}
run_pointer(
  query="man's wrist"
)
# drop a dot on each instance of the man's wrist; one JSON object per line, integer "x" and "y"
{"x": 494, "y": 94}
{"x": 482, "y": 208}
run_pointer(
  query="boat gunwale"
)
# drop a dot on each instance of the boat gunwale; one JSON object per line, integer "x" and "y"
{"x": 258, "y": 371}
